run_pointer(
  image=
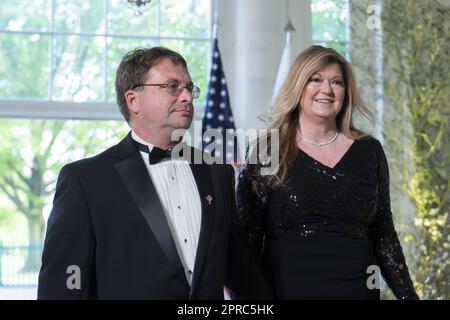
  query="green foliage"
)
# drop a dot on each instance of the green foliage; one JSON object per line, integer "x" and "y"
{"x": 24, "y": 66}
{"x": 13, "y": 227}
{"x": 122, "y": 20}
{"x": 5, "y": 216}
{"x": 329, "y": 24}
{"x": 34, "y": 151}
{"x": 424, "y": 28}
{"x": 81, "y": 66}
{"x": 329, "y": 20}
{"x": 25, "y": 15}
{"x": 31, "y": 155}
{"x": 79, "y": 16}
{"x": 416, "y": 37}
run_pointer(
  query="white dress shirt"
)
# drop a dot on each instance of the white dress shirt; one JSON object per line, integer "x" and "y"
{"x": 178, "y": 193}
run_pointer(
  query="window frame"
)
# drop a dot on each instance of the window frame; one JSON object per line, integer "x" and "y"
{"x": 102, "y": 110}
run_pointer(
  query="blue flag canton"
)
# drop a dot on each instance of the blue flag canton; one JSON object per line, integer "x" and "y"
{"x": 217, "y": 114}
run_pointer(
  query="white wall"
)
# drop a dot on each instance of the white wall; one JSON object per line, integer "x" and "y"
{"x": 251, "y": 40}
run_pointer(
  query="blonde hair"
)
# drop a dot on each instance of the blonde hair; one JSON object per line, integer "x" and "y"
{"x": 285, "y": 115}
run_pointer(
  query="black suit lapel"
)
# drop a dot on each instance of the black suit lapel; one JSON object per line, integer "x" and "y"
{"x": 135, "y": 176}
{"x": 202, "y": 175}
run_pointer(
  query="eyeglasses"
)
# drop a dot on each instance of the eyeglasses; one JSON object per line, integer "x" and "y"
{"x": 173, "y": 88}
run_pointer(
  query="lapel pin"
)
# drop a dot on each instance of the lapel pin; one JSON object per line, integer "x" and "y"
{"x": 209, "y": 199}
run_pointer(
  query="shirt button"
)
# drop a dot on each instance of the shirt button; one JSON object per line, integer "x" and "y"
{"x": 179, "y": 207}
{"x": 185, "y": 240}
{"x": 173, "y": 178}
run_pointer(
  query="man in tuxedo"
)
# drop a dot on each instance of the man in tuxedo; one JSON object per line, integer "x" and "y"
{"x": 135, "y": 223}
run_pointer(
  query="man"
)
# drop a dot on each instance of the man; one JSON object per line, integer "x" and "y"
{"x": 132, "y": 223}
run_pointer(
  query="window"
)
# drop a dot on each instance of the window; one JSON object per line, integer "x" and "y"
{"x": 330, "y": 24}
{"x": 68, "y": 51}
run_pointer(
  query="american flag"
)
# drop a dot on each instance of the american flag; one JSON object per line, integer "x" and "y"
{"x": 218, "y": 113}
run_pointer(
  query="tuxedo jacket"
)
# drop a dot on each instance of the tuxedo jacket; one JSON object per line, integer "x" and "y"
{"x": 108, "y": 221}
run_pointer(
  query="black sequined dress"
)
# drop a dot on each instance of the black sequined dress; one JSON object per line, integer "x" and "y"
{"x": 317, "y": 235}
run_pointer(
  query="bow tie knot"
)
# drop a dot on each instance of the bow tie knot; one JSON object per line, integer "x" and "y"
{"x": 157, "y": 154}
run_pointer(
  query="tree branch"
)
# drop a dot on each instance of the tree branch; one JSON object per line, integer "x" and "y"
{"x": 21, "y": 176}
{"x": 14, "y": 197}
{"x": 56, "y": 133}
{"x": 14, "y": 185}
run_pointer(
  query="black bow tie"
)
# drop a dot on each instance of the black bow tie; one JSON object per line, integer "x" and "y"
{"x": 157, "y": 154}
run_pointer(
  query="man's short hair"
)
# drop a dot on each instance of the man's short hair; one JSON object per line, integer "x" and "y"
{"x": 134, "y": 67}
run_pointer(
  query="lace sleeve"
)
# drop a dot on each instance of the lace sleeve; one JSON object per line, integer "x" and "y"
{"x": 252, "y": 201}
{"x": 387, "y": 246}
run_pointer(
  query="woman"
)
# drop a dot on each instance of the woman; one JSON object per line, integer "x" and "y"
{"x": 322, "y": 224}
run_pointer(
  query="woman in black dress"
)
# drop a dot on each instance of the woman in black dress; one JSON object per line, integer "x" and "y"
{"x": 321, "y": 226}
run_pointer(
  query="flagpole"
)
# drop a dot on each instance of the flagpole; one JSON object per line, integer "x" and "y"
{"x": 213, "y": 30}
{"x": 289, "y": 29}
{"x": 215, "y": 23}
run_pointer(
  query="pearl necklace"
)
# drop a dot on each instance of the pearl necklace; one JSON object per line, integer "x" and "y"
{"x": 319, "y": 144}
